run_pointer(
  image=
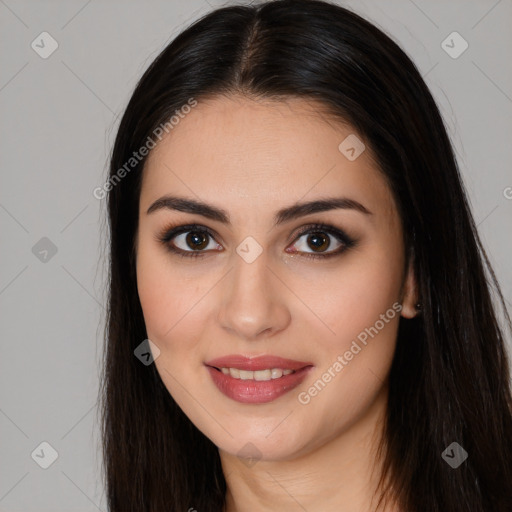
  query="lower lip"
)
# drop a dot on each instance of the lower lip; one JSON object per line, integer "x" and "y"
{"x": 257, "y": 391}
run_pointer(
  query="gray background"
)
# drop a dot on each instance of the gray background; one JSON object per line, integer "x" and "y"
{"x": 58, "y": 118}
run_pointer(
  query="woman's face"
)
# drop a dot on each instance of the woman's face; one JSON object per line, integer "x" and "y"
{"x": 245, "y": 287}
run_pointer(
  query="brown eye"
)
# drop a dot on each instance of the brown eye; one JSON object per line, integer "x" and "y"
{"x": 196, "y": 240}
{"x": 319, "y": 242}
{"x": 188, "y": 240}
{"x": 313, "y": 241}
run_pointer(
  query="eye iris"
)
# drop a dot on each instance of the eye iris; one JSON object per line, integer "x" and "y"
{"x": 319, "y": 241}
{"x": 196, "y": 240}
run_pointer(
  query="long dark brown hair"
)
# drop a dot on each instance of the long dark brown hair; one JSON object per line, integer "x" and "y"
{"x": 449, "y": 380}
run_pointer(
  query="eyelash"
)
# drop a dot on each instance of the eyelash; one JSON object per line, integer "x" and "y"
{"x": 171, "y": 232}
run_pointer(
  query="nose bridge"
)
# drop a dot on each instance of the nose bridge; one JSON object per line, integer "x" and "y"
{"x": 252, "y": 302}
{"x": 251, "y": 273}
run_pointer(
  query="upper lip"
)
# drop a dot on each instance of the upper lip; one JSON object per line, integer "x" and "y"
{"x": 256, "y": 363}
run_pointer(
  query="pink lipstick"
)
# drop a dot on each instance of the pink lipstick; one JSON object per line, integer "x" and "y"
{"x": 256, "y": 379}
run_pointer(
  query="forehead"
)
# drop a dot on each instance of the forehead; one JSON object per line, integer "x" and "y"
{"x": 254, "y": 154}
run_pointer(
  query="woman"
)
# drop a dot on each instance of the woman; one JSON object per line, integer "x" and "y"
{"x": 300, "y": 316}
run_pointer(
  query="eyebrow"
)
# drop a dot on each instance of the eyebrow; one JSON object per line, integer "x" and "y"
{"x": 284, "y": 215}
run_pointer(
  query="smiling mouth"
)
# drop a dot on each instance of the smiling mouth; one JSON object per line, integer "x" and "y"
{"x": 258, "y": 381}
{"x": 256, "y": 375}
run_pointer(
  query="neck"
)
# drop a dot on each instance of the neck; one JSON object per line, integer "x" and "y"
{"x": 340, "y": 476}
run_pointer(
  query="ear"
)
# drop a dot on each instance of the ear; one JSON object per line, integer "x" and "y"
{"x": 409, "y": 293}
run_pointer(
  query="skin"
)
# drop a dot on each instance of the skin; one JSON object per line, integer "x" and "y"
{"x": 252, "y": 158}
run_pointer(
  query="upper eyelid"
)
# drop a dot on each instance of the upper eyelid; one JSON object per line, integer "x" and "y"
{"x": 173, "y": 232}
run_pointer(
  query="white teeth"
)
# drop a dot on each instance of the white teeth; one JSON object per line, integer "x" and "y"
{"x": 245, "y": 375}
{"x": 274, "y": 373}
{"x": 263, "y": 375}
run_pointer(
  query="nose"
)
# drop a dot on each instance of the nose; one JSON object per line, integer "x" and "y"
{"x": 253, "y": 300}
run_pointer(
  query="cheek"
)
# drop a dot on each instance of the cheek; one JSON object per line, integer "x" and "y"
{"x": 364, "y": 312}
{"x": 353, "y": 299}
{"x": 165, "y": 297}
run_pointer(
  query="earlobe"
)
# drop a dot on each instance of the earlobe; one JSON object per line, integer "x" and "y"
{"x": 411, "y": 306}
